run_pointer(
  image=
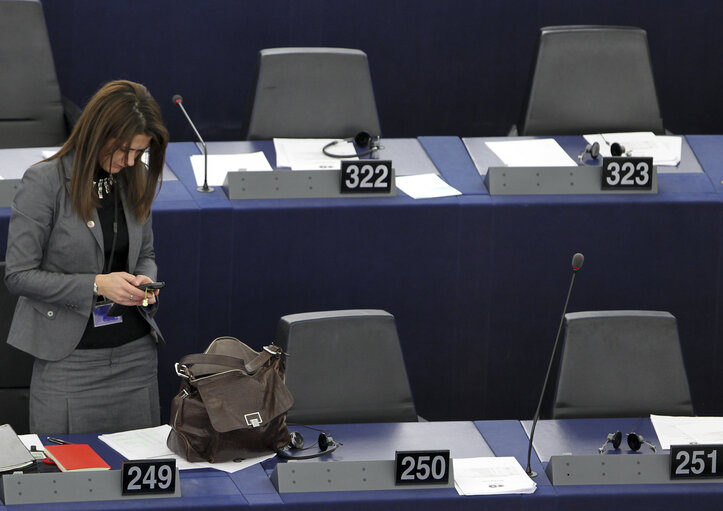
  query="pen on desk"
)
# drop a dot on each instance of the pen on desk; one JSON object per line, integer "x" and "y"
{"x": 58, "y": 440}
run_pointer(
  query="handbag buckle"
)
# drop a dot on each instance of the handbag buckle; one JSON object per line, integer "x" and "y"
{"x": 182, "y": 371}
{"x": 253, "y": 419}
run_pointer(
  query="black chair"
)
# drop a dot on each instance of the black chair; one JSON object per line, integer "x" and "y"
{"x": 16, "y": 368}
{"x": 591, "y": 79}
{"x": 312, "y": 93}
{"x": 345, "y": 367}
{"x": 32, "y": 111}
{"x": 621, "y": 364}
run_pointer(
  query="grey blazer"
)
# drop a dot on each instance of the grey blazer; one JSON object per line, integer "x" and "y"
{"x": 52, "y": 258}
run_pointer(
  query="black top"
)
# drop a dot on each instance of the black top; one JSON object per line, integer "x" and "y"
{"x": 133, "y": 326}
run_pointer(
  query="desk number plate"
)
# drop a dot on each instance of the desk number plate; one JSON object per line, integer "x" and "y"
{"x": 696, "y": 461}
{"x": 422, "y": 467}
{"x": 627, "y": 173}
{"x": 366, "y": 176}
{"x": 143, "y": 477}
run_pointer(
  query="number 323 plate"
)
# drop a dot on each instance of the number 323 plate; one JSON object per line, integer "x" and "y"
{"x": 627, "y": 173}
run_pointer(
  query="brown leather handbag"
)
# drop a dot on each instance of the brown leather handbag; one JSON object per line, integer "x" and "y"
{"x": 232, "y": 403}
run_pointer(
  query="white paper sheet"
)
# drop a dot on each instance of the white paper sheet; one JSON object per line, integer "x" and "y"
{"x": 221, "y": 164}
{"x": 140, "y": 444}
{"x": 664, "y": 150}
{"x": 30, "y": 440}
{"x": 687, "y": 430}
{"x": 491, "y": 476}
{"x": 543, "y": 152}
{"x": 308, "y": 153}
{"x": 425, "y": 186}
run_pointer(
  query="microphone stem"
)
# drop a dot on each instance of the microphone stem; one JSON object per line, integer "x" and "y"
{"x": 529, "y": 470}
{"x": 205, "y": 187}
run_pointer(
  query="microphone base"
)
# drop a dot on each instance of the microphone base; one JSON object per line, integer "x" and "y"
{"x": 205, "y": 189}
{"x": 532, "y": 474}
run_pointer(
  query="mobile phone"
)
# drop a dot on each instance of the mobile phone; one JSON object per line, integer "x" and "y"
{"x": 151, "y": 285}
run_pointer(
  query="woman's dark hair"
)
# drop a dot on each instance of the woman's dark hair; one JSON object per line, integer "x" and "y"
{"x": 118, "y": 112}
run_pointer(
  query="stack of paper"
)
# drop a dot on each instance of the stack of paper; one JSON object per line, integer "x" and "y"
{"x": 308, "y": 153}
{"x": 491, "y": 476}
{"x": 149, "y": 443}
{"x": 543, "y": 152}
{"x": 221, "y": 164}
{"x": 425, "y": 186}
{"x": 687, "y": 430}
{"x": 665, "y": 150}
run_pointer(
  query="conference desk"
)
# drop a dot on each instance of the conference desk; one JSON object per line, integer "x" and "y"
{"x": 476, "y": 282}
{"x": 251, "y": 488}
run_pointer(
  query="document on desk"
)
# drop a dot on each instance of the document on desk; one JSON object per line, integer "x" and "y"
{"x": 491, "y": 476}
{"x": 221, "y": 164}
{"x": 308, "y": 153}
{"x": 665, "y": 150}
{"x": 687, "y": 430}
{"x": 149, "y": 443}
{"x": 542, "y": 152}
{"x": 425, "y": 186}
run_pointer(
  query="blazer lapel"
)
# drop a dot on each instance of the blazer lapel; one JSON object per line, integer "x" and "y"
{"x": 94, "y": 225}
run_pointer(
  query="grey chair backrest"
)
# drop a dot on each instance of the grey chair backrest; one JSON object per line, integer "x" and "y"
{"x": 15, "y": 368}
{"x": 312, "y": 93}
{"x": 345, "y": 367}
{"x": 591, "y": 79}
{"x": 31, "y": 109}
{"x": 621, "y": 364}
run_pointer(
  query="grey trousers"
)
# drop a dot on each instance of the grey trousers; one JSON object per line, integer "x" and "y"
{"x": 97, "y": 390}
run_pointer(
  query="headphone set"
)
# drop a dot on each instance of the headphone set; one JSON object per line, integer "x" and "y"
{"x": 326, "y": 444}
{"x": 362, "y": 140}
{"x": 593, "y": 150}
{"x": 635, "y": 441}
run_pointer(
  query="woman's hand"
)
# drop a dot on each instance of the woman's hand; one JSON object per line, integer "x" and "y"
{"x": 120, "y": 287}
{"x": 151, "y": 294}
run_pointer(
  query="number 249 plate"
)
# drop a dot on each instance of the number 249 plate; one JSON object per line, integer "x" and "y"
{"x": 144, "y": 477}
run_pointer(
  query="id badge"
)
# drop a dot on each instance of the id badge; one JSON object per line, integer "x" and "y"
{"x": 101, "y": 317}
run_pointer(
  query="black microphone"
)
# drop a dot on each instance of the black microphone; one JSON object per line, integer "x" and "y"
{"x": 577, "y": 261}
{"x": 178, "y": 100}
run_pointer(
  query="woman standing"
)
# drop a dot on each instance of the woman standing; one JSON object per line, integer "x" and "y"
{"x": 80, "y": 238}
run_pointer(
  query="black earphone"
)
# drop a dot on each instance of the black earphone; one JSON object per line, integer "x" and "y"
{"x": 635, "y": 441}
{"x": 593, "y": 150}
{"x": 613, "y": 438}
{"x": 362, "y": 139}
{"x": 326, "y": 444}
{"x": 618, "y": 149}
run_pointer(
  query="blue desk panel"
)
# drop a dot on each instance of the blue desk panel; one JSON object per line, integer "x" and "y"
{"x": 656, "y": 252}
{"x": 585, "y": 436}
{"x": 251, "y": 488}
{"x": 476, "y": 283}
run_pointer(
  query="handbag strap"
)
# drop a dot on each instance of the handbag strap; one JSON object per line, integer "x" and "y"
{"x": 235, "y": 363}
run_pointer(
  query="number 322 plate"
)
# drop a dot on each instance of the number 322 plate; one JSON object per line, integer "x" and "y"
{"x": 366, "y": 176}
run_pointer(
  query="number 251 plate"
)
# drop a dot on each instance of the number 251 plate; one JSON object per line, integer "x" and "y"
{"x": 696, "y": 461}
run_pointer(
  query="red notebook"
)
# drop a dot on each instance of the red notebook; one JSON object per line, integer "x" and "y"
{"x": 71, "y": 457}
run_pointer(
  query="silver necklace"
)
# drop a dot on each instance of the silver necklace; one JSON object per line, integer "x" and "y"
{"x": 104, "y": 184}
